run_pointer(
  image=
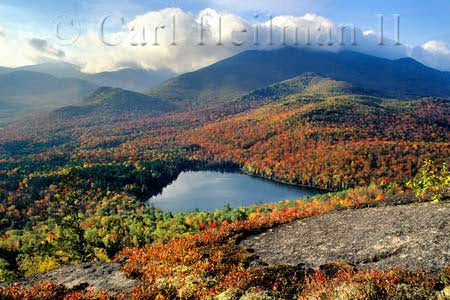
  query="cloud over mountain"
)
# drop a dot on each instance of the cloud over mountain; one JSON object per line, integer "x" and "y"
{"x": 155, "y": 41}
{"x": 434, "y": 53}
{"x": 45, "y": 48}
{"x": 197, "y": 38}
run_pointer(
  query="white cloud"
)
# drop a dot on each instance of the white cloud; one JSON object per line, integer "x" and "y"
{"x": 270, "y": 7}
{"x": 14, "y": 49}
{"x": 433, "y": 53}
{"x": 21, "y": 48}
{"x": 436, "y": 47}
{"x": 187, "y": 55}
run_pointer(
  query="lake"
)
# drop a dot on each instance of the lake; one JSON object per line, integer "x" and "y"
{"x": 211, "y": 190}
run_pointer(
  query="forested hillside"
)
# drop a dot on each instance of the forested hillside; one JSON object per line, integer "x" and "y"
{"x": 73, "y": 182}
{"x": 249, "y": 70}
{"x": 23, "y": 92}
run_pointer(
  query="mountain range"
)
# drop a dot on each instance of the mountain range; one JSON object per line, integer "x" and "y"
{"x": 48, "y": 86}
{"x": 23, "y": 92}
{"x": 250, "y": 74}
{"x": 249, "y": 70}
{"x": 137, "y": 80}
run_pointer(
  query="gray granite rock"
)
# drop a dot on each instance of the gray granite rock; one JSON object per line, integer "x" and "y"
{"x": 413, "y": 236}
{"x": 99, "y": 276}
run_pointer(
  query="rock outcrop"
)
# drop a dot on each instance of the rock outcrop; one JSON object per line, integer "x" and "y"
{"x": 98, "y": 276}
{"x": 413, "y": 236}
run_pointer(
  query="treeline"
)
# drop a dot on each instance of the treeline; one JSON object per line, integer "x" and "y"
{"x": 334, "y": 143}
{"x": 73, "y": 190}
{"x": 27, "y": 198}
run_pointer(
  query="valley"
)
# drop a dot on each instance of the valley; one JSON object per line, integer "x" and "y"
{"x": 74, "y": 181}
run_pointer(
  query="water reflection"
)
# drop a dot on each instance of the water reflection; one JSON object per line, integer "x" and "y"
{"x": 211, "y": 190}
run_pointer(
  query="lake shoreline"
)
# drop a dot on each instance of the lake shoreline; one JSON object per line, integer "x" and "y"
{"x": 229, "y": 167}
{"x": 209, "y": 190}
{"x": 241, "y": 170}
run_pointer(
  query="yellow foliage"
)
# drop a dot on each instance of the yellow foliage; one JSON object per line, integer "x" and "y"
{"x": 47, "y": 265}
{"x": 254, "y": 215}
{"x": 101, "y": 255}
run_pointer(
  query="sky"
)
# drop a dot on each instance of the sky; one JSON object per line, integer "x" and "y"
{"x": 29, "y": 34}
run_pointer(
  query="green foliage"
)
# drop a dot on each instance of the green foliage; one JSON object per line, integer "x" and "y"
{"x": 5, "y": 271}
{"x": 72, "y": 190}
{"x": 69, "y": 236}
{"x": 432, "y": 181}
{"x": 221, "y": 81}
{"x": 114, "y": 101}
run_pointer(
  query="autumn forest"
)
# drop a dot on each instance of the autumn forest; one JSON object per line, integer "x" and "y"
{"x": 73, "y": 183}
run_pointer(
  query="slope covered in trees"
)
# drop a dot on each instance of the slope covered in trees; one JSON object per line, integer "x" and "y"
{"x": 32, "y": 91}
{"x": 71, "y": 189}
{"x": 117, "y": 101}
{"x": 336, "y": 142}
{"x": 249, "y": 70}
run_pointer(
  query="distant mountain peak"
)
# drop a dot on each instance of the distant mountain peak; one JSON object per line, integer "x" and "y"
{"x": 28, "y": 91}
{"x": 253, "y": 69}
{"x": 306, "y": 84}
{"x": 126, "y": 78}
{"x": 57, "y": 69}
{"x": 116, "y": 101}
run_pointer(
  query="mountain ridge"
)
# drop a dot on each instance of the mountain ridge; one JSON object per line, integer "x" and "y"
{"x": 305, "y": 84}
{"x": 107, "y": 100}
{"x": 134, "y": 79}
{"x": 33, "y": 92}
{"x": 253, "y": 69}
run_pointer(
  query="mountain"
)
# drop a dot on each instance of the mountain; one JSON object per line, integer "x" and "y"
{"x": 137, "y": 80}
{"x": 57, "y": 69}
{"x": 106, "y": 100}
{"x": 307, "y": 84}
{"x": 254, "y": 69}
{"x": 51, "y": 85}
{"x": 4, "y": 70}
{"x": 23, "y": 91}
